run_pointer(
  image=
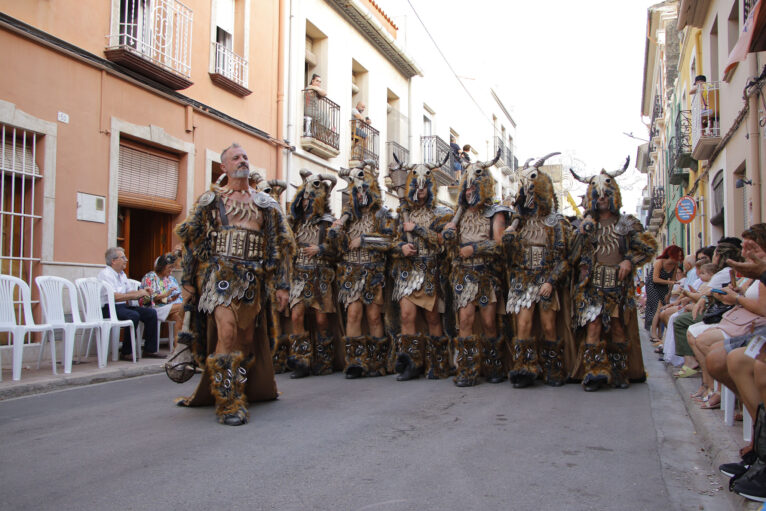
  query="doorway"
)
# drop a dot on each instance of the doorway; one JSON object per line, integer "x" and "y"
{"x": 144, "y": 235}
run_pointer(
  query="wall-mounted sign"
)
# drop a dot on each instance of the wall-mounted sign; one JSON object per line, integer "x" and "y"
{"x": 686, "y": 209}
{"x": 91, "y": 208}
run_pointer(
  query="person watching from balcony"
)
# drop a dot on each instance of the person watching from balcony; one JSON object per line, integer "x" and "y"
{"x": 114, "y": 275}
{"x": 356, "y": 115}
{"x": 706, "y": 111}
{"x": 312, "y": 111}
{"x": 465, "y": 156}
{"x": 455, "y": 149}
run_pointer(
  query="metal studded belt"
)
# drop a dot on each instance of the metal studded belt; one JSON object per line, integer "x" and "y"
{"x": 239, "y": 243}
{"x": 475, "y": 261}
{"x": 534, "y": 257}
{"x": 605, "y": 277}
{"x": 362, "y": 256}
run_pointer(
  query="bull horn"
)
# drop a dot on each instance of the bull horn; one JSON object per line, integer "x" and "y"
{"x": 329, "y": 177}
{"x": 486, "y": 164}
{"x": 255, "y": 176}
{"x": 396, "y": 160}
{"x": 305, "y": 173}
{"x": 220, "y": 179}
{"x": 622, "y": 170}
{"x": 343, "y": 173}
{"x": 539, "y": 162}
{"x": 586, "y": 181}
{"x": 526, "y": 164}
{"x": 411, "y": 166}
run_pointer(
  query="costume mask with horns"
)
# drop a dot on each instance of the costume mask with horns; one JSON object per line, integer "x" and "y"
{"x": 603, "y": 184}
{"x": 420, "y": 176}
{"x": 536, "y": 193}
{"x": 477, "y": 175}
{"x": 364, "y": 188}
{"x": 316, "y": 189}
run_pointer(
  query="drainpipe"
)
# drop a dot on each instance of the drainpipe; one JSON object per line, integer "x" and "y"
{"x": 290, "y": 128}
{"x": 281, "y": 43}
{"x": 754, "y": 143}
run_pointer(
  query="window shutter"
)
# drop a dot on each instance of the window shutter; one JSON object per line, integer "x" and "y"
{"x": 148, "y": 180}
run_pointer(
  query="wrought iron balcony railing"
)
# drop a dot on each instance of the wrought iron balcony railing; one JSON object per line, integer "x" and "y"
{"x": 705, "y": 121}
{"x": 321, "y": 120}
{"x": 401, "y": 152}
{"x": 435, "y": 150}
{"x": 230, "y": 66}
{"x": 158, "y": 32}
{"x": 364, "y": 141}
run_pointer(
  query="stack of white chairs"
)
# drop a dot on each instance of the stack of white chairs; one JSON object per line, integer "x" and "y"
{"x": 90, "y": 291}
{"x": 18, "y": 331}
{"x": 52, "y": 291}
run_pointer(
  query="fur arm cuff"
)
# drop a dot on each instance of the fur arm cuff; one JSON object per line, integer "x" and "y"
{"x": 486, "y": 247}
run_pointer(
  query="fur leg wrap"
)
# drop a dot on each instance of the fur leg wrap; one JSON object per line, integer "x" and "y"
{"x": 280, "y": 352}
{"x": 437, "y": 358}
{"x": 598, "y": 372}
{"x": 323, "y": 354}
{"x": 300, "y": 351}
{"x": 468, "y": 359}
{"x": 526, "y": 365}
{"x": 228, "y": 375}
{"x": 378, "y": 350}
{"x": 356, "y": 356}
{"x": 618, "y": 359}
{"x": 409, "y": 357}
{"x": 552, "y": 357}
{"x": 492, "y": 359}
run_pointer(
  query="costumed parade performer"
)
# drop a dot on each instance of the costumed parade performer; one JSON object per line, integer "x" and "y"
{"x": 364, "y": 236}
{"x": 312, "y": 296}
{"x": 536, "y": 251}
{"x": 605, "y": 253}
{"x": 416, "y": 273}
{"x": 476, "y": 276}
{"x": 235, "y": 242}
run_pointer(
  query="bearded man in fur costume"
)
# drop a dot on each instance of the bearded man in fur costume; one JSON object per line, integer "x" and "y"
{"x": 606, "y": 251}
{"x": 235, "y": 241}
{"x": 311, "y": 290}
{"x": 536, "y": 252}
{"x": 364, "y": 236}
{"x": 476, "y": 277}
{"x": 416, "y": 275}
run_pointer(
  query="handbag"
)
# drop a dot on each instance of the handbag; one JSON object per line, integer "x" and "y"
{"x": 740, "y": 321}
{"x": 715, "y": 312}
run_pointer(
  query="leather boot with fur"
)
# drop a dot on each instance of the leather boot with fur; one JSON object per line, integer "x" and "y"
{"x": 492, "y": 359}
{"x": 552, "y": 358}
{"x": 356, "y": 356}
{"x": 228, "y": 375}
{"x": 525, "y": 366}
{"x": 281, "y": 350}
{"x": 437, "y": 359}
{"x": 598, "y": 371}
{"x": 468, "y": 360}
{"x": 409, "y": 359}
{"x": 324, "y": 353}
{"x": 300, "y": 355}
{"x": 618, "y": 358}
{"x": 378, "y": 350}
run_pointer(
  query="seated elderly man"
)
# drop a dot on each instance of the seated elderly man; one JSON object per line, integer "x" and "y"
{"x": 114, "y": 275}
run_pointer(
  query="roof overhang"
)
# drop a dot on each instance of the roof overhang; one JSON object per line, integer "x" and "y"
{"x": 692, "y": 13}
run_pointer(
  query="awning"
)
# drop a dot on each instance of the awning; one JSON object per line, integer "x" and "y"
{"x": 752, "y": 38}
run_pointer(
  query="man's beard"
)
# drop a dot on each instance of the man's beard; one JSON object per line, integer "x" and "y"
{"x": 241, "y": 172}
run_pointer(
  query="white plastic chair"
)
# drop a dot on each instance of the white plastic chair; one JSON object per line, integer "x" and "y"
{"x": 51, "y": 297}
{"x": 8, "y": 323}
{"x": 90, "y": 290}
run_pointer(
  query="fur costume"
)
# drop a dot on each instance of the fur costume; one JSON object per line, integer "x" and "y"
{"x": 598, "y": 294}
{"x": 419, "y": 277}
{"x": 536, "y": 253}
{"x": 313, "y": 280}
{"x": 478, "y": 279}
{"x": 233, "y": 267}
{"x": 362, "y": 270}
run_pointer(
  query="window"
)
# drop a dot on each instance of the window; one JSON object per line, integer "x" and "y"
{"x": 229, "y": 68}
{"x": 716, "y": 218}
{"x": 21, "y": 199}
{"x": 427, "y": 131}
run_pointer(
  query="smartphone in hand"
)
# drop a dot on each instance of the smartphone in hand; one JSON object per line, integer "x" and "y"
{"x": 718, "y": 291}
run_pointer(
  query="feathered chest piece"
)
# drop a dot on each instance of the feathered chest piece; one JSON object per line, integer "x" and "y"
{"x": 307, "y": 233}
{"x": 364, "y": 225}
{"x": 474, "y": 227}
{"x": 422, "y": 217}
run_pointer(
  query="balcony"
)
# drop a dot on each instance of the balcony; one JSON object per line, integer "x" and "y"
{"x": 364, "y": 143}
{"x": 506, "y": 155}
{"x": 434, "y": 151}
{"x": 705, "y": 125}
{"x": 154, "y": 38}
{"x": 656, "y": 213}
{"x": 230, "y": 71}
{"x": 401, "y": 152}
{"x": 321, "y": 125}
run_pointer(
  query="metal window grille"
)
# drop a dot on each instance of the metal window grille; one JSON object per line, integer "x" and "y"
{"x": 146, "y": 173}
{"x": 21, "y": 204}
{"x": 230, "y": 65}
{"x": 158, "y": 30}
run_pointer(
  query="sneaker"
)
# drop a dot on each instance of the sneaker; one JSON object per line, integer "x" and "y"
{"x": 734, "y": 469}
{"x": 753, "y": 489}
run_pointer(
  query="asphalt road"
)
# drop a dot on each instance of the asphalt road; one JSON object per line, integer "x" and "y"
{"x": 372, "y": 444}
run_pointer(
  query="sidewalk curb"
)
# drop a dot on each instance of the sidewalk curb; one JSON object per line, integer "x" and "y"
{"x": 64, "y": 381}
{"x": 720, "y": 442}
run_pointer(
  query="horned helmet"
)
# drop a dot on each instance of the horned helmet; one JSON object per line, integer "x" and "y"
{"x": 315, "y": 189}
{"x": 363, "y": 186}
{"x": 478, "y": 179}
{"x": 536, "y": 194}
{"x": 419, "y": 176}
{"x": 271, "y": 187}
{"x": 603, "y": 184}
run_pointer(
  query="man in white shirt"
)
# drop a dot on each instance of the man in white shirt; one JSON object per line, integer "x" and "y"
{"x": 114, "y": 275}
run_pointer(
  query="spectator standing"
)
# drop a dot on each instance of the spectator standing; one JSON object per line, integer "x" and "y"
{"x": 659, "y": 280}
{"x": 114, "y": 275}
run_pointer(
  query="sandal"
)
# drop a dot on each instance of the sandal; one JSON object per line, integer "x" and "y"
{"x": 686, "y": 372}
{"x": 701, "y": 392}
{"x": 713, "y": 402}
{"x": 659, "y": 350}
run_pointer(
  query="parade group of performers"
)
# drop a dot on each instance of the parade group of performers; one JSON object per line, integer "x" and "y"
{"x": 500, "y": 291}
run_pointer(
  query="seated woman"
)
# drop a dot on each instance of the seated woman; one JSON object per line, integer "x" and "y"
{"x": 165, "y": 292}
{"x": 749, "y": 312}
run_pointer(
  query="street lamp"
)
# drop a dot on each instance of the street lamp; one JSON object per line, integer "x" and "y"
{"x": 740, "y": 183}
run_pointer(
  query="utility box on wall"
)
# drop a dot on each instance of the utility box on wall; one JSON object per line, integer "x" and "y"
{"x": 91, "y": 208}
